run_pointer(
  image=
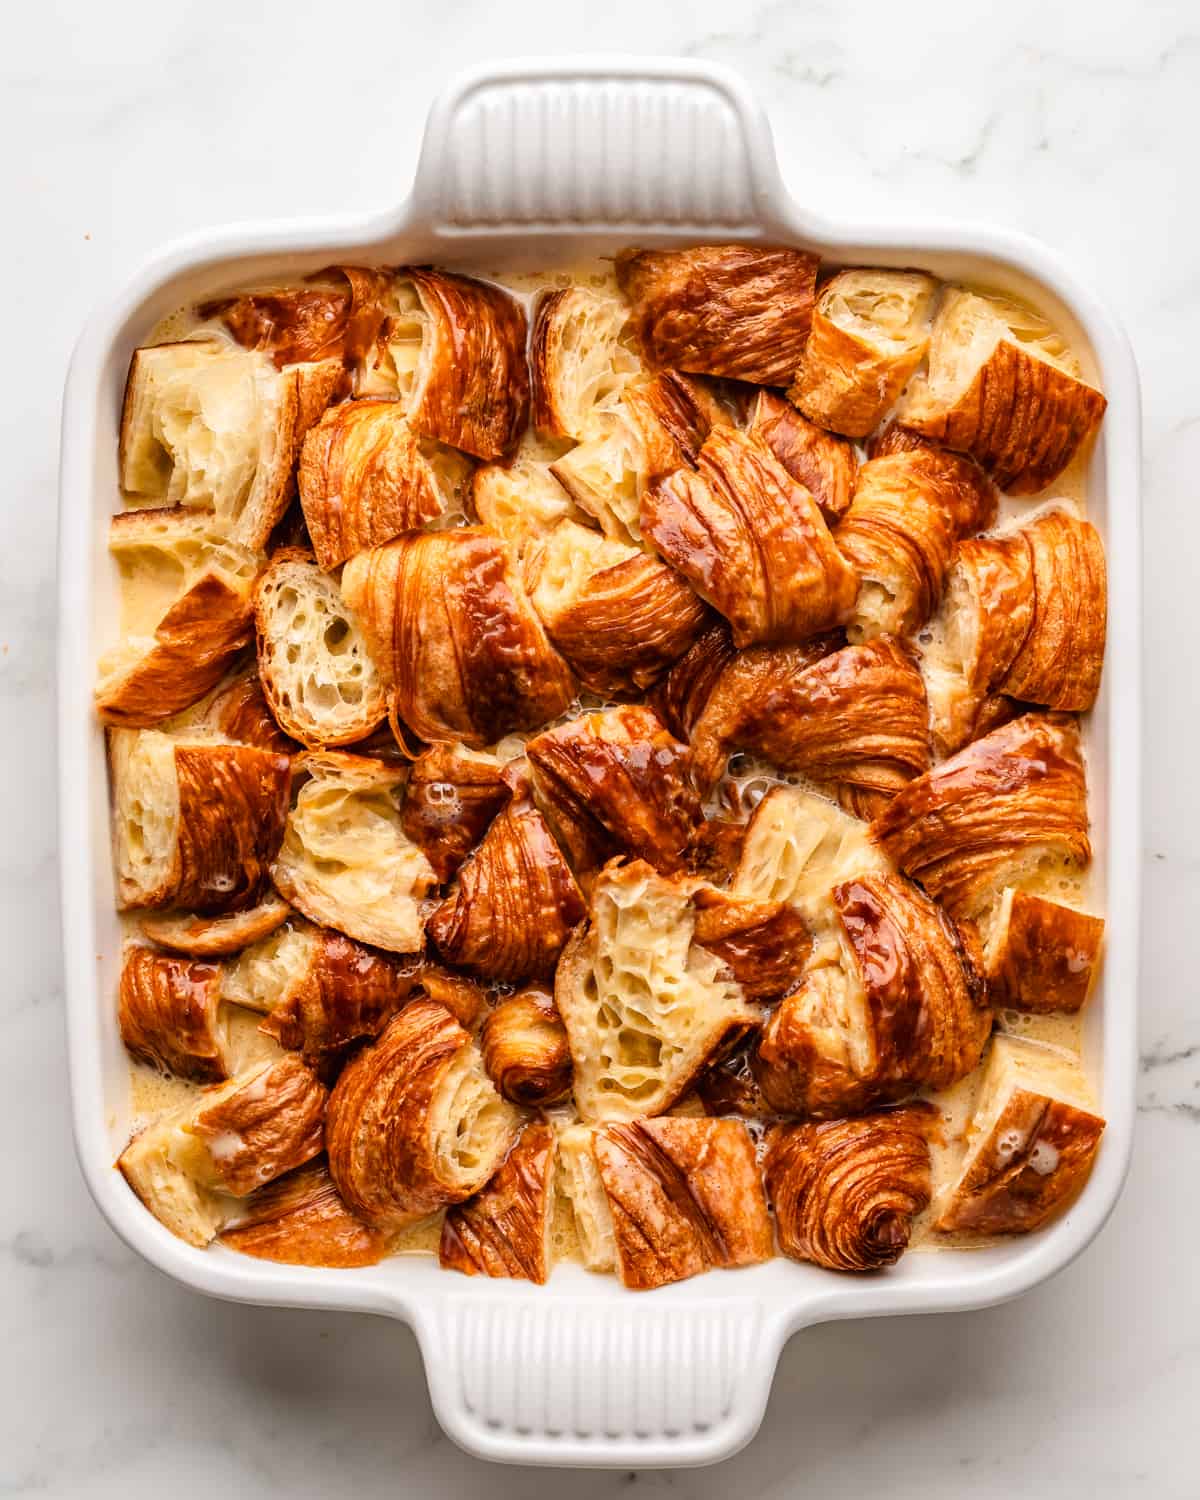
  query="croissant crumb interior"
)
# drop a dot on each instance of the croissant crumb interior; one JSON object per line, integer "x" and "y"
{"x": 597, "y": 766}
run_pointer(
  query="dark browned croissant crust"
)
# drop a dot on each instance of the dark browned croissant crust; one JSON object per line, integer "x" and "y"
{"x": 233, "y": 804}
{"x": 845, "y": 1192}
{"x": 274, "y": 1122}
{"x": 168, "y": 1012}
{"x": 672, "y": 415}
{"x": 503, "y": 1229}
{"x": 825, "y": 464}
{"x": 300, "y": 1220}
{"x": 239, "y": 711}
{"x": 449, "y": 803}
{"x": 764, "y": 944}
{"x": 1042, "y": 956}
{"x": 337, "y": 314}
{"x": 525, "y": 1049}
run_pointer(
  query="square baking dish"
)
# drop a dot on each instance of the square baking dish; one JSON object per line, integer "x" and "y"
{"x": 537, "y": 164}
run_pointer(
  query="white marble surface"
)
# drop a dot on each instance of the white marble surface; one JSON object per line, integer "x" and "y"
{"x": 125, "y": 124}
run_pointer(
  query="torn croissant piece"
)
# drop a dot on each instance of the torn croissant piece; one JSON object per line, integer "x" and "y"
{"x": 238, "y": 710}
{"x": 504, "y": 1230}
{"x": 751, "y": 541}
{"x": 300, "y": 1220}
{"x": 716, "y": 849}
{"x": 603, "y": 478}
{"x": 515, "y": 903}
{"x": 521, "y": 502}
{"x": 588, "y": 1218}
{"x": 196, "y": 824}
{"x": 451, "y": 798}
{"x": 316, "y": 671}
{"x": 1008, "y": 804}
{"x": 217, "y": 428}
{"x": 854, "y": 721}
{"x": 582, "y": 361}
{"x": 672, "y": 415}
{"x": 414, "y": 1122}
{"x": 763, "y": 944}
{"x": 525, "y": 1049}
{"x": 826, "y": 465}
{"x": 452, "y": 351}
{"x": 453, "y": 632}
{"x": 619, "y": 616}
{"x": 743, "y": 311}
{"x": 216, "y": 937}
{"x": 1004, "y": 387}
{"x": 185, "y": 621}
{"x": 684, "y": 693}
{"x": 346, "y": 861}
{"x": 870, "y": 331}
{"x": 1031, "y": 1144}
{"x": 617, "y": 782}
{"x": 365, "y": 476}
{"x": 169, "y": 1012}
{"x": 909, "y": 509}
{"x": 1041, "y": 956}
{"x": 646, "y": 1009}
{"x": 335, "y": 314}
{"x": 685, "y": 1196}
{"x": 846, "y": 1192}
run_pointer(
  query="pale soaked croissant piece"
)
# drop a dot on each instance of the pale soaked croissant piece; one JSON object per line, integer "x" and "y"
{"x": 316, "y": 671}
{"x": 616, "y": 782}
{"x": 196, "y": 824}
{"x": 763, "y": 944}
{"x": 345, "y": 861}
{"x": 190, "y": 616}
{"x": 582, "y": 360}
{"x": 672, "y": 415}
{"x": 1031, "y": 1146}
{"x": 365, "y": 476}
{"x": 218, "y": 428}
{"x": 909, "y": 509}
{"x": 619, "y": 616}
{"x": 216, "y": 937}
{"x": 451, "y": 798}
{"x": 300, "y": 1220}
{"x": 515, "y": 902}
{"x": 603, "y": 478}
{"x": 870, "y": 331}
{"x": 452, "y": 351}
{"x": 453, "y": 632}
{"x": 525, "y": 1049}
{"x": 1004, "y": 387}
{"x": 169, "y": 1012}
{"x": 335, "y": 314}
{"x": 153, "y": 1166}
{"x": 1041, "y": 956}
{"x": 685, "y": 1197}
{"x": 845, "y": 1192}
{"x": 743, "y": 311}
{"x": 1007, "y": 803}
{"x": 521, "y": 502}
{"x": 578, "y": 1183}
{"x": 750, "y": 541}
{"x": 822, "y": 462}
{"x": 414, "y": 1122}
{"x": 504, "y": 1230}
{"x": 645, "y": 1008}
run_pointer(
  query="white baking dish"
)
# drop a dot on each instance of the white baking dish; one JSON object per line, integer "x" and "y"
{"x": 537, "y": 164}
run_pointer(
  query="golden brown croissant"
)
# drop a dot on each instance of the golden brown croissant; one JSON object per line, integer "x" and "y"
{"x": 582, "y": 361}
{"x": 521, "y": 502}
{"x": 1005, "y": 388}
{"x": 682, "y": 696}
{"x": 345, "y": 861}
{"x": 1031, "y": 1146}
{"x": 750, "y": 541}
{"x": 195, "y": 824}
{"x": 414, "y": 1123}
{"x": 909, "y": 509}
{"x": 300, "y": 1220}
{"x": 169, "y": 1012}
{"x": 729, "y": 1087}
{"x": 738, "y": 310}
{"x": 870, "y": 330}
{"x": 365, "y": 476}
{"x": 504, "y": 1230}
{"x": 672, "y": 414}
{"x": 1006, "y": 804}
{"x": 453, "y": 631}
{"x": 216, "y": 937}
{"x": 616, "y": 782}
{"x": 845, "y": 1192}
{"x": 902, "y": 1008}
{"x": 238, "y": 710}
{"x": 193, "y": 615}
{"x": 451, "y": 798}
{"x": 1041, "y": 956}
{"x": 646, "y": 1009}
{"x": 763, "y": 944}
{"x": 685, "y": 1196}
{"x": 335, "y": 314}
{"x": 516, "y": 899}
{"x": 452, "y": 350}
{"x": 525, "y": 1049}
{"x": 823, "y": 463}
{"x": 716, "y": 849}
{"x": 619, "y": 616}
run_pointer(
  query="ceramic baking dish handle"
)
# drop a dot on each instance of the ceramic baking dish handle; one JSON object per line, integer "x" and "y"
{"x": 522, "y": 1377}
{"x": 618, "y": 142}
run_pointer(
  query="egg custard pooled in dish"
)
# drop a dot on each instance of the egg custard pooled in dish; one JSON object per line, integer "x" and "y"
{"x": 597, "y": 770}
